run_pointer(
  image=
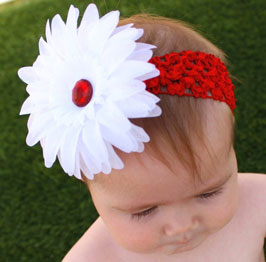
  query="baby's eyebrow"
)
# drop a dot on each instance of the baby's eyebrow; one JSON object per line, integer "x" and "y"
{"x": 216, "y": 184}
{"x": 134, "y": 209}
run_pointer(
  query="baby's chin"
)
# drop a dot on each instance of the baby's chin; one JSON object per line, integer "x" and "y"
{"x": 176, "y": 248}
{"x": 171, "y": 249}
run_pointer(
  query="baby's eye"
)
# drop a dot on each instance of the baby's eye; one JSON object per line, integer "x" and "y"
{"x": 211, "y": 194}
{"x": 144, "y": 213}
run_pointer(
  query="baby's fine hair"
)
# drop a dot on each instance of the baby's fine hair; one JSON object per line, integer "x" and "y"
{"x": 184, "y": 118}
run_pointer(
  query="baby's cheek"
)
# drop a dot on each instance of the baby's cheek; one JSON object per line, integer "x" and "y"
{"x": 223, "y": 211}
{"x": 135, "y": 236}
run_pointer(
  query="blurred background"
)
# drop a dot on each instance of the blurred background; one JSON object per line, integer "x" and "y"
{"x": 43, "y": 211}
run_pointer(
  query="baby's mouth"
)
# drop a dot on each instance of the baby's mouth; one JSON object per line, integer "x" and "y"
{"x": 183, "y": 242}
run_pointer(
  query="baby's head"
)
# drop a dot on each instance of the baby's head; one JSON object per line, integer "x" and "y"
{"x": 183, "y": 187}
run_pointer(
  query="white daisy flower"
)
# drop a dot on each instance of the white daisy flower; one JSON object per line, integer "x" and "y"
{"x": 83, "y": 88}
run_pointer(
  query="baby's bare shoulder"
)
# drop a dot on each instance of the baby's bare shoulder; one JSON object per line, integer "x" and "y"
{"x": 253, "y": 184}
{"x": 94, "y": 245}
{"x": 252, "y": 192}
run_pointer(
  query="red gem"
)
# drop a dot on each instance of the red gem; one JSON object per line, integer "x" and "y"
{"x": 82, "y": 93}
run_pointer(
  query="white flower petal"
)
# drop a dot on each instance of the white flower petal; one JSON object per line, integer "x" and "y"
{"x": 140, "y": 105}
{"x": 106, "y": 26}
{"x": 91, "y": 15}
{"x": 140, "y": 147}
{"x": 116, "y": 53}
{"x": 122, "y": 140}
{"x": 41, "y": 66}
{"x": 132, "y": 34}
{"x": 144, "y": 46}
{"x": 39, "y": 98}
{"x": 72, "y": 18}
{"x": 77, "y": 172}
{"x": 139, "y": 34}
{"x": 68, "y": 149}
{"x": 122, "y": 28}
{"x": 109, "y": 17}
{"x": 37, "y": 126}
{"x": 88, "y": 163}
{"x": 36, "y": 87}
{"x": 61, "y": 39}
{"x": 140, "y": 134}
{"x": 92, "y": 140}
{"x": 106, "y": 168}
{"x": 114, "y": 159}
{"x": 111, "y": 117}
{"x": 51, "y": 144}
{"x": 65, "y": 41}
{"x": 118, "y": 90}
{"x": 27, "y": 74}
{"x": 43, "y": 47}
{"x": 157, "y": 111}
{"x": 142, "y": 55}
{"x": 133, "y": 69}
{"x": 150, "y": 75}
{"x": 27, "y": 107}
{"x": 89, "y": 21}
{"x": 57, "y": 26}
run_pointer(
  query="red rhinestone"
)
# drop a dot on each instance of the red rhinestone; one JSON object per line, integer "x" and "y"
{"x": 82, "y": 93}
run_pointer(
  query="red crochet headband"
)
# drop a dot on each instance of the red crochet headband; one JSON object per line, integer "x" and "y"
{"x": 190, "y": 73}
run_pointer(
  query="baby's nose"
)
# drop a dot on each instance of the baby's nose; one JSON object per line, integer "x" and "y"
{"x": 180, "y": 226}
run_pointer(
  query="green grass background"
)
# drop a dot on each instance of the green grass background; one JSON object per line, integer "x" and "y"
{"x": 43, "y": 211}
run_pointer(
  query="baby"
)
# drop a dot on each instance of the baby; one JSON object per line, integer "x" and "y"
{"x": 159, "y": 209}
{"x": 181, "y": 199}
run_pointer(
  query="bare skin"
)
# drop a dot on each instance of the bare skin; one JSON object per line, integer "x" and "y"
{"x": 240, "y": 240}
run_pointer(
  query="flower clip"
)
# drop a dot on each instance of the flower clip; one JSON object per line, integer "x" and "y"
{"x": 84, "y": 87}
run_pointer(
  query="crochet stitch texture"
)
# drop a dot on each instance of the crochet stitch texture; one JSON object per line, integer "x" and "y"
{"x": 194, "y": 74}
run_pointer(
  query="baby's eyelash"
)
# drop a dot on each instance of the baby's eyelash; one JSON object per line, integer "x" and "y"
{"x": 149, "y": 211}
{"x": 144, "y": 213}
{"x": 211, "y": 194}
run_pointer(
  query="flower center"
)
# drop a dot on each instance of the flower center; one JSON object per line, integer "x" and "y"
{"x": 82, "y": 93}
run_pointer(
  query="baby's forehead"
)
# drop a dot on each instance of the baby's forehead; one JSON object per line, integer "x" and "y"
{"x": 140, "y": 180}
